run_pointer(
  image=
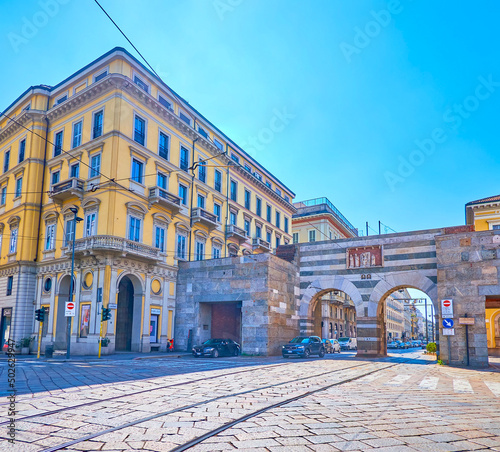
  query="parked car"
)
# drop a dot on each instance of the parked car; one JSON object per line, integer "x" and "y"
{"x": 424, "y": 344}
{"x": 407, "y": 344}
{"x": 348, "y": 343}
{"x": 416, "y": 343}
{"x": 304, "y": 346}
{"x": 331, "y": 345}
{"x": 217, "y": 347}
{"x": 392, "y": 344}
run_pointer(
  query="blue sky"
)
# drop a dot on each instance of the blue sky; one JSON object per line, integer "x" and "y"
{"x": 392, "y": 106}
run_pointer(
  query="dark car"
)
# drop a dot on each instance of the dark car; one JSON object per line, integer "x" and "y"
{"x": 217, "y": 347}
{"x": 304, "y": 346}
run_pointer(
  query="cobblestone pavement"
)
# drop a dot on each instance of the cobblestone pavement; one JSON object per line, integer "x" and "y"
{"x": 405, "y": 403}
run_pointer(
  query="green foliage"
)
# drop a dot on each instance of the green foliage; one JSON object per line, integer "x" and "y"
{"x": 24, "y": 342}
{"x": 105, "y": 341}
{"x": 440, "y": 362}
{"x": 431, "y": 347}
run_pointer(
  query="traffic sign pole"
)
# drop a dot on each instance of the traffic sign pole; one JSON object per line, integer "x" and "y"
{"x": 100, "y": 339}
{"x": 39, "y": 339}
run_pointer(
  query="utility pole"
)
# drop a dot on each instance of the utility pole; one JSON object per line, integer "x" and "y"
{"x": 367, "y": 228}
{"x": 379, "y": 230}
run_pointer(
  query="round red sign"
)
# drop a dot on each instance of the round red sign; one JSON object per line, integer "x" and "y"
{"x": 447, "y": 303}
{"x": 70, "y": 305}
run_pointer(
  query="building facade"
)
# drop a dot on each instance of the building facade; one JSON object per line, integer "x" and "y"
{"x": 113, "y": 168}
{"x": 394, "y": 318}
{"x": 317, "y": 220}
{"x": 335, "y": 316}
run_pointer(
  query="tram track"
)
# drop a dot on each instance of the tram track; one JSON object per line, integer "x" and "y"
{"x": 378, "y": 368}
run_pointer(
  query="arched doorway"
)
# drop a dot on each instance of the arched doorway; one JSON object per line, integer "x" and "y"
{"x": 60, "y": 339}
{"x": 128, "y": 314}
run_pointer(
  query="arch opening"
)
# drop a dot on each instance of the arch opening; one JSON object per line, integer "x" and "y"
{"x": 128, "y": 314}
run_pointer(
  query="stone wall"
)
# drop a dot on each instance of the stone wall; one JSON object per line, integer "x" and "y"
{"x": 468, "y": 266}
{"x": 266, "y": 287}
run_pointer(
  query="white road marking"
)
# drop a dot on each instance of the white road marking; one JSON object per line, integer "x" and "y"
{"x": 462, "y": 386}
{"x": 494, "y": 387}
{"x": 398, "y": 380}
{"x": 429, "y": 383}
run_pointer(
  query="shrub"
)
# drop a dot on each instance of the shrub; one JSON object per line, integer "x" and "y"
{"x": 431, "y": 347}
{"x": 24, "y": 342}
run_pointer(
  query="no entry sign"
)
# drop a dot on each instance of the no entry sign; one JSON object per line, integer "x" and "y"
{"x": 447, "y": 308}
{"x": 70, "y": 309}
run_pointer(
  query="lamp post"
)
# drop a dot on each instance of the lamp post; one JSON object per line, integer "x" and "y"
{"x": 74, "y": 210}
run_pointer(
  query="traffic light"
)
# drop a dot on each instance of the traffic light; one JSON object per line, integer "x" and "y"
{"x": 40, "y": 314}
{"x": 106, "y": 314}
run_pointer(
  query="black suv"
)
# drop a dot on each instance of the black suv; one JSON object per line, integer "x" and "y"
{"x": 304, "y": 346}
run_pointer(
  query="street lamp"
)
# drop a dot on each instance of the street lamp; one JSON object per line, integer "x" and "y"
{"x": 74, "y": 210}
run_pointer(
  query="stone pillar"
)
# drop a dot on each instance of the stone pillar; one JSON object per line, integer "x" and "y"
{"x": 146, "y": 341}
{"x": 370, "y": 340}
{"x": 324, "y": 318}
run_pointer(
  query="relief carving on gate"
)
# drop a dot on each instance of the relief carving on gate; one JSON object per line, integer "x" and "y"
{"x": 364, "y": 257}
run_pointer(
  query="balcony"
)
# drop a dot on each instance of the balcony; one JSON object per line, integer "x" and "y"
{"x": 164, "y": 199}
{"x": 67, "y": 189}
{"x": 118, "y": 245}
{"x": 261, "y": 244}
{"x": 236, "y": 233}
{"x": 204, "y": 217}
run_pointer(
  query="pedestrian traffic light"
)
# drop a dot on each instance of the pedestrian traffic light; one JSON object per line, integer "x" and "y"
{"x": 40, "y": 314}
{"x": 106, "y": 314}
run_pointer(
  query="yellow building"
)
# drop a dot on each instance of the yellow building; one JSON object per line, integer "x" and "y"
{"x": 150, "y": 182}
{"x": 394, "y": 318}
{"x": 337, "y": 313}
{"x": 317, "y": 220}
{"x": 484, "y": 214}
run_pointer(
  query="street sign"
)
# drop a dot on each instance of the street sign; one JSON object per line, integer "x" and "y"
{"x": 449, "y": 332}
{"x": 466, "y": 320}
{"x": 447, "y": 308}
{"x": 112, "y": 306}
{"x": 70, "y": 309}
{"x": 448, "y": 323}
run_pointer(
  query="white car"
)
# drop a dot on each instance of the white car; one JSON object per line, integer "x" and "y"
{"x": 335, "y": 348}
{"x": 348, "y": 343}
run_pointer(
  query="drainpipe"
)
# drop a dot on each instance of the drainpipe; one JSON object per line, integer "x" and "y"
{"x": 43, "y": 181}
{"x": 192, "y": 194}
{"x": 227, "y": 205}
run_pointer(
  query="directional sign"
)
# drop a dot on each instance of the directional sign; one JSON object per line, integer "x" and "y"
{"x": 447, "y": 308}
{"x": 449, "y": 332}
{"x": 70, "y": 309}
{"x": 447, "y": 323}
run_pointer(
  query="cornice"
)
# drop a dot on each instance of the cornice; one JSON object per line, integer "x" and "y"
{"x": 16, "y": 123}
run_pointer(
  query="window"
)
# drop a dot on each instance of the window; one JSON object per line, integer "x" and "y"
{"x": 248, "y": 168}
{"x": 134, "y": 229}
{"x": 50, "y": 233}
{"x": 100, "y": 76}
{"x": 295, "y": 237}
{"x": 161, "y": 180}
{"x": 98, "y": 120}
{"x": 258, "y": 206}
{"x": 10, "y": 284}
{"x": 496, "y": 226}
{"x": 258, "y": 232}
{"x": 137, "y": 171}
{"x": 202, "y": 132}
{"x": 268, "y": 184}
{"x": 218, "y": 144}
{"x": 13, "y": 240}
{"x": 234, "y": 190}
{"x": 257, "y": 176}
{"x": 58, "y": 143}
{"x": 95, "y": 165}
{"x": 278, "y": 191}
{"x": 201, "y": 201}
{"x": 165, "y": 102}
{"x": 163, "y": 146}
{"x": 286, "y": 224}
{"x": 55, "y": 177}
{"x": 185, "y": 118}
{"x": 232, "y": 218}
{"x": 28, "y": 107}
{"x": 141, "y": 84}
{"x": 6, "y": 161}
{"x": 75, "y": 170}
{"x": 184, "y": 162}
{"x": 278, "y": 240}
{"x": 268, "y": 213}
{"x": 70, "y": 232}
{"x": 3, "y": 196}
{"x": 312, "y": 235}
{"x": 181, "y": 246}
{"x": 202, "y": 171}
{"x": 139, "y": 130}
{"x": 90, "y": 224}
{"x": 77, "y": 134}
{"x": 235, "y": 158}
{"x": 160, "y": 238}
{"x": 247, "y": 199}
{"x": 247, "y": 227}
{"x": 218, "y": 181}
{"x": 216, "y": 251}
{"x": 217, "y": 210}
{"x": 200, "y": 250}
{"x": 61, "y": 99}
{"x": 22, "y": 150}
{"x": 183, "y": 194}
{"x": 19, "y": 187}
{"x": 268, "y": 237}
{"x": 287, "y": 198}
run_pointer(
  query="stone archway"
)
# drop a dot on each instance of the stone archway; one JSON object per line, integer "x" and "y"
{"x": 128, "y": 313}
{"x": 61, "y": 321}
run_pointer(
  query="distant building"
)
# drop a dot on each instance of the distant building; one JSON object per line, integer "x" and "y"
{"x": 317, "y": 220}
{"x": 484, "y": 213}
{"x": 338, "y": 316}
{"x": 394, "y": 318}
